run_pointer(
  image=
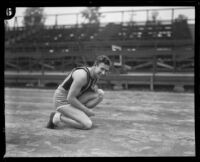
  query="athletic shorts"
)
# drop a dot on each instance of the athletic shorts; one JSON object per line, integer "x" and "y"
{"x": 60, "y": 97}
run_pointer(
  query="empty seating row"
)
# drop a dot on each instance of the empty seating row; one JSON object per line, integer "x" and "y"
{"x": 110, "y": 32}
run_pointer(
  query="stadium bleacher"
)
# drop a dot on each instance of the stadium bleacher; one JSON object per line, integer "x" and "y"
{"x": 151, "y": 47}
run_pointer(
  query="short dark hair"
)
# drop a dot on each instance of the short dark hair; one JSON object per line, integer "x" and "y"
{"x": 103, "y": 59}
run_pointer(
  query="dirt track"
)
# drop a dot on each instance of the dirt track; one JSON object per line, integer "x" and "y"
{"x": 127, "y": 123}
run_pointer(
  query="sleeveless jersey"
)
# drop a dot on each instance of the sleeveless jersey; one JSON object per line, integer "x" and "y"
{"x": 68, "y": 81}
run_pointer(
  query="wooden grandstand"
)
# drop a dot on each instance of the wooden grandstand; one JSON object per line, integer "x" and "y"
{"x": 145, "y": 53}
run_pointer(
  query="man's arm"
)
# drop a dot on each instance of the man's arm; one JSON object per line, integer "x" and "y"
{"x": 79, "y": 80}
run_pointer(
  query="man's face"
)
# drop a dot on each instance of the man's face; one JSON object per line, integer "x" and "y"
{"x": 101, "y": 69}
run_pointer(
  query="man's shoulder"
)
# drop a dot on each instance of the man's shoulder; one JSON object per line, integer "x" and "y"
{"x": 80, "y": 71}
{"x": 80, "y": 74}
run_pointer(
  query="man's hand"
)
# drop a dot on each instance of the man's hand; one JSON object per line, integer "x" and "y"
{"x": 95, "y": 88}
{"x": 89, "y": 112}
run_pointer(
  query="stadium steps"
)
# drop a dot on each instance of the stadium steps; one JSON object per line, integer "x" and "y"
{"x": 22, "y": 36}
{"x": 108, "y": 32}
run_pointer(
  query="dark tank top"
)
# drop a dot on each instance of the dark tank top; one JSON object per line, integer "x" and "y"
{"x": 68, "y": 81}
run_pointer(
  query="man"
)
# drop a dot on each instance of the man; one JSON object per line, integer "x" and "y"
{"x": 78, "y": 94}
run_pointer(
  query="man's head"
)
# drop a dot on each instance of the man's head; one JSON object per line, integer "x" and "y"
{"x": 103, "y": 59}
{"x": 101, "y": 66}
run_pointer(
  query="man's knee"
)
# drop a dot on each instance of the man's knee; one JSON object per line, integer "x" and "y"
{"x": 87, "y": 124}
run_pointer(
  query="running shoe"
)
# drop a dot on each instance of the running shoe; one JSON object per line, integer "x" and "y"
{"x": 50, "y": 124}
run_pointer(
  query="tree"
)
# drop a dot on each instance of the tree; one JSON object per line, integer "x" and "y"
{"x": 34, "y": 16}
{"x": 154, "y": 16}
{"x": 92, "y": 21}
{"x": 181, "y": 18}
{"x": 154, "y": 19}
{"x": 92, "y": 15}
{"x": 180, "y": 27}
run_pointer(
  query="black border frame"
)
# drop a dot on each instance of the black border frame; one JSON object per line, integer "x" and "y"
{"x": 79, "y": 3}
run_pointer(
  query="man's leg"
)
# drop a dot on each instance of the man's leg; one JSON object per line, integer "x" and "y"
{"x": 90, "y": 99}
{"x": 70, "y": 116}
{"x": 74, "y": 117}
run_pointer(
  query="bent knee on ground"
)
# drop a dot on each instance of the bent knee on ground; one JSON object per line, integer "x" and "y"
{"x": 76, "y": 115}
{"x": 87, "y": 124}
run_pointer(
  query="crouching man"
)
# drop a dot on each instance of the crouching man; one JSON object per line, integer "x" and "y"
{"x": 78, "y": 94}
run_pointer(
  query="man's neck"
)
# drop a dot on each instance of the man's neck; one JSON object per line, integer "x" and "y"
{"x": 91, "y": 69}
